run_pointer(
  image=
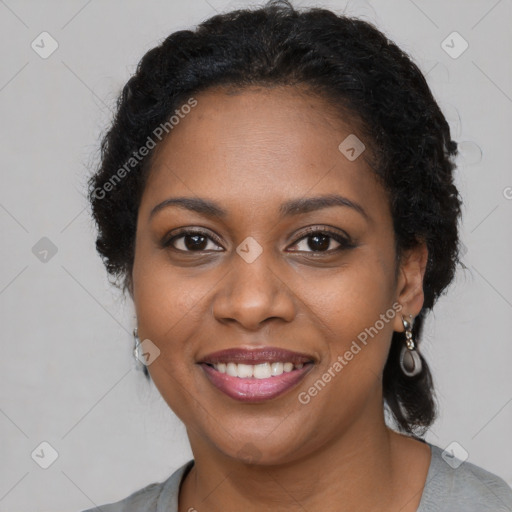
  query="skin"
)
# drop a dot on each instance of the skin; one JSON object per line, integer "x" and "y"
{"x": 249, "y": 152}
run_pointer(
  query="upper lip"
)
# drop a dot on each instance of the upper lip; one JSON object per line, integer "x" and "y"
{"x": 257, "y": 356}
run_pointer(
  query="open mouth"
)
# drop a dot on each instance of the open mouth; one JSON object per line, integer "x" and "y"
{"x": 257, "y": 371}
{"x": 256, "y": 375}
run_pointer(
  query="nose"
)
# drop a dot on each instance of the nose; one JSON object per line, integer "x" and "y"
{"x": 252, "y": 294}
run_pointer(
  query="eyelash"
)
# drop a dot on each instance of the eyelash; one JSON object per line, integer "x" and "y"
{"x": 344, "y": 241}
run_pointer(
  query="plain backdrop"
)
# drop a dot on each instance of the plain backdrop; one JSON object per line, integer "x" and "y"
{"x": 68, "y": 375}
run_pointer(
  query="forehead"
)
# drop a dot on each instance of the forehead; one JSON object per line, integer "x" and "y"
{"x": 259, "y": 145}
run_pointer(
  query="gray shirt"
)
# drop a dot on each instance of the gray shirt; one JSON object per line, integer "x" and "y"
{"x": 467, "y": 488}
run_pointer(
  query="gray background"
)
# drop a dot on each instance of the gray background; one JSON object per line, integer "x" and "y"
{"x": 67, "y": 371}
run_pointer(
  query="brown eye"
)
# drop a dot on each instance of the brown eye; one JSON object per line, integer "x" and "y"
{"x": 322, "y": 241}
{"x": 192, "y": 241}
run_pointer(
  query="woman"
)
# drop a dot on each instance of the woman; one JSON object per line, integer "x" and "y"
{"x": 276, "y": 195}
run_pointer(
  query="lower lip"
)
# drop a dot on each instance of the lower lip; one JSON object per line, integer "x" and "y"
{"x": 255, "y": 390}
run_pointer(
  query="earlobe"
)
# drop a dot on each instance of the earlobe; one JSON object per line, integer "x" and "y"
{"x": 413, "y": 264}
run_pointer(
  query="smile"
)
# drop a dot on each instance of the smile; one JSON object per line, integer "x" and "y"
{"x": 258, "y": 371}
{"x": 255, "y": 375}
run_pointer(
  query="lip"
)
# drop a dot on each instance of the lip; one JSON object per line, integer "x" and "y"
{"x": 252, "y": 389}
{"x": 257, "y": 356}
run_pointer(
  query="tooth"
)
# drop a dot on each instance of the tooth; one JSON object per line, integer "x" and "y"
{"x": 276, "y": 369}
{"x": 231, "y": 370}
{"x": 262, "y": 371}
{"x": 258, "y": 371}
{"x": 245, "y": 370}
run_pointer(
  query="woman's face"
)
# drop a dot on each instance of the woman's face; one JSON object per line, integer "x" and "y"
{"x": 311, "y": 278}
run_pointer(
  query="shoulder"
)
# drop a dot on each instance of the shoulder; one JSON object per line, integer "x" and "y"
{"x": 155, "y": 497}
{"x": 462, "y": 486}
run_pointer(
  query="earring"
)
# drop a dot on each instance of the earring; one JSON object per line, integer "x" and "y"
{"x": 410, "y": 361}
{"x": 137, "y": 345}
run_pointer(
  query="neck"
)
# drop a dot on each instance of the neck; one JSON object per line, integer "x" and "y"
{"x": 357, "y": 471}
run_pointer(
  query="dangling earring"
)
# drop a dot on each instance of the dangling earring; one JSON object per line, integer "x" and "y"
{"x": 410, "y": 361}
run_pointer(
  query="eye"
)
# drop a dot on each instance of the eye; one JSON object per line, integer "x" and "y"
{"x": 192, "y": 241}
{"x": 315, "y": 240}
{"x": 322, "y": 240}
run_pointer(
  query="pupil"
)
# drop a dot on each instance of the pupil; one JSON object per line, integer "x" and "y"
{"x": 321, "y": 242}
{"x": 198, "y": 242}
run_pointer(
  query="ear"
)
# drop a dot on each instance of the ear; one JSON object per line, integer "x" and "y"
{"x": 409, "y": 290}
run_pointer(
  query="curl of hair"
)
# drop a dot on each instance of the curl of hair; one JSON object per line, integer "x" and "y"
{"x": 358, "y": 71}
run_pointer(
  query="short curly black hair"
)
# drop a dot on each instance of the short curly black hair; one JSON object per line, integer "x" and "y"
{"x": 356, "y": 69}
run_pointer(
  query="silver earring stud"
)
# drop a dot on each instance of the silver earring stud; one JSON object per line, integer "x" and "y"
{"x": 410, "y": 361}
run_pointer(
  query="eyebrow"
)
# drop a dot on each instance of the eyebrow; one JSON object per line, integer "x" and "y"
{"x": 291, "y": 207}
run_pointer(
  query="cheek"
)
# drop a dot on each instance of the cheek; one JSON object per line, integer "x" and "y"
{"x": 169, "y": 314}
{"x": 355, "y": 314}
{"x": 172, "y": 308}
{"x": 356, "y": 304}
{"x": 168, "y": 300}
